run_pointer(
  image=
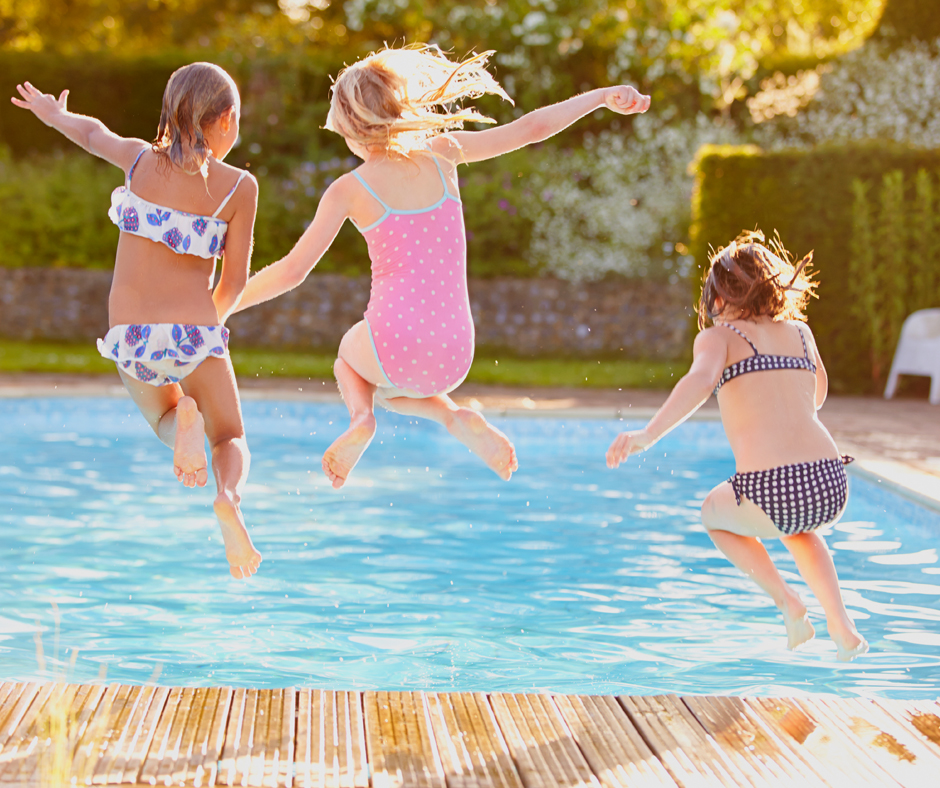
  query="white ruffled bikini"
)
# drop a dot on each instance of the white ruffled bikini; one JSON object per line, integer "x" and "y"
{"x": 163, "y": 353}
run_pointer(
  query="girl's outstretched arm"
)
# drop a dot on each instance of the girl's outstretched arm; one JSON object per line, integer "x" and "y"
{"x": 709, "y": 355}
{"x": 543, "y": 123}
{"x": 291, "y": 270}
{"x": 88, "y": 133}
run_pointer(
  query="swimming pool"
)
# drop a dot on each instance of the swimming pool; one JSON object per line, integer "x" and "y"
{"x": 426, "y": 571}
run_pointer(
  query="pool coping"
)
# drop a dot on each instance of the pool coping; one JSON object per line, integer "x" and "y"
{"x": 897, "y": 476}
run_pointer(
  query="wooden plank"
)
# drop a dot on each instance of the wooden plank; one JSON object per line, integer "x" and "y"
{"x": 285, "y": 774}
{"x": 754, "y": 747}
{"x": 160, "y": 741}
{"x": 532, "y": 738}
{"x": 197, "y": 766}
{"x": 111, "y": 730}
{"x": 278, "y": 749}
{"x": 19, "y": 725}
{"x": 307, "y": 752}
{"x": 88, "y": 749}
{"x": 216, "y": 735}
{"x": 399, "y": 742}
{"x": 50, "y": 761}
{"x": 339, "y": 741}
{"x": 38, "y": 734}
{"x": 611, "y": 745}
{"x": 897, "y": 750}
{"x": 835, "y": 759}
{"x": 921, "y": 717}
{"x": 142, "y": 729}
{"x": 259, "y": 739}
{"x": 10, "y": 692}
{"x": 685, "y": 749}
{"x": 12, "y": 714}
{"x": 228, "y": 766}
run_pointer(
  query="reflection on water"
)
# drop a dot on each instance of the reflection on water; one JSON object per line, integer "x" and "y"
{"x": 426, "y": 571}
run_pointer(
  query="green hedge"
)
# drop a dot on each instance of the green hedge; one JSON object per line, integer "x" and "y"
{"x": 808, "y": 197}
{"x": 55, "y": 213}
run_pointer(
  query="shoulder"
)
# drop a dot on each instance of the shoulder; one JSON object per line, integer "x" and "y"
{"x": 711, "y": 339}
{"x": 128, "y": 152}
{"x": 803, "y": 328}
{"x": 447, "y": 147}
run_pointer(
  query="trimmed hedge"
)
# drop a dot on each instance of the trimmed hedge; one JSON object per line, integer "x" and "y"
{"x": 807, "y": 196}
{"x": 55, "y": 213}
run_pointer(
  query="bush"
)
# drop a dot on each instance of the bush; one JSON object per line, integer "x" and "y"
{"x": 55, "y": 213}
{"x": 808, "y": 197}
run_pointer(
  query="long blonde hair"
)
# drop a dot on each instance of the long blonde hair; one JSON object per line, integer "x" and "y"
{"x": 398, "y": 98}
{"x": 196, "y": 96}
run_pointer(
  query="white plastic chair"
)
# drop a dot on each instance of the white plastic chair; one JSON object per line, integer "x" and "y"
{"x": 918, "y": 352}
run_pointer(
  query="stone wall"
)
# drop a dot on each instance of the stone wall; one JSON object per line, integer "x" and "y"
{"x": 528, "y": 316}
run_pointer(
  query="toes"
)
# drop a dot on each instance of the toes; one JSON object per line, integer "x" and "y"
{"x": 202, "y": 477}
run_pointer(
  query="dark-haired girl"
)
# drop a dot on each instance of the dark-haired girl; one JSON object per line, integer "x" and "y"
{"x": 180, "y": 208}
{"x": 790, "y": 478}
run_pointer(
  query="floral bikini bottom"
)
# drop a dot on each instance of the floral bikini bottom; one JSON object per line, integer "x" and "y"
{"x": 162, "y": 353}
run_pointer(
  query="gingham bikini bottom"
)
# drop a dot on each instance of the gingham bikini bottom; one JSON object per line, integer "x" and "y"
{"x": 797, "y": 498}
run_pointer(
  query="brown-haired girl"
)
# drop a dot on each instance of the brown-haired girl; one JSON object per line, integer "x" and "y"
{"x": 179, "y": 209}
{"x": 790, "y": 478}
{"x": 416, "y": 342}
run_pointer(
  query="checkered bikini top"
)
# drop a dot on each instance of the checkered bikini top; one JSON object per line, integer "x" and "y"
{"x": 760, "y": 362}
{"x": 184, "y": 233}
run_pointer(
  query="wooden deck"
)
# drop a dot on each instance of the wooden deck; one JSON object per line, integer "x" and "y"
{"x": 71, "y": 734}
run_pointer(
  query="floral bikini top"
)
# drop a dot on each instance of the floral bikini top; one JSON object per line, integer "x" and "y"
{"x": 761, "y": 362}
{"x": 185, "y": 233}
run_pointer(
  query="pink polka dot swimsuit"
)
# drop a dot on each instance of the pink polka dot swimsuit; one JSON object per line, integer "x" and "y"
{"x": 419, "y": 311}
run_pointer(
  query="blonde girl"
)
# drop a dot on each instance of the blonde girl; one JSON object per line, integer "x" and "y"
{"x": 179, "y": 209}
{"x": 415, "y": 344}
{"x": 790, "y": 479}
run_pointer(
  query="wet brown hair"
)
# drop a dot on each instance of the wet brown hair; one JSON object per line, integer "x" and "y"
{"x": 398, "y": 98}
{"x": 757, "y": 278}
{"x": 196, "y": 96}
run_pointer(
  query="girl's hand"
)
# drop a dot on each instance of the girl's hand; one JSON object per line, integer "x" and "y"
{"x": 626, "y": 100}
{"x": 625, "y": 444}
{"x": 43, "y": 105}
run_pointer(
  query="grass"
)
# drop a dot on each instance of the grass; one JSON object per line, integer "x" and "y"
{"x": 502, "y": 370}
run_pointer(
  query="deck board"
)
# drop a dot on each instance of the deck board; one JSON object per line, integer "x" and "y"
{"x": 120, "y": 735}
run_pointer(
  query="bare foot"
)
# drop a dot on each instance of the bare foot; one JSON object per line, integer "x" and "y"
{"x": 345, "y": 451}
{"x": 851, "y": 647}
{"x": 189, "y": 449}
{"x": 242, "y": 557}
{"x": 484, "y": 440}
{"x": 799, "y": 628}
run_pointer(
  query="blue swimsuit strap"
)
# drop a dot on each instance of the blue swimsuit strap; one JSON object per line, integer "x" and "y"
{"x": 371, "y": 191}
{"x": 130, "y": 172}
{"x": 744, "y": 336}
{"x": 805, "y": 349}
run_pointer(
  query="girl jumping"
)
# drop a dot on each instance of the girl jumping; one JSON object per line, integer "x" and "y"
{"x": 790, "y": 478}
{"x": 415, "y": 344}
{"x": 179, "y": 209}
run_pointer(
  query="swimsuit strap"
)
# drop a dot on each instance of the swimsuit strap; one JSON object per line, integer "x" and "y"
{"x": 230, "y": 193}
{"x": 744, "y": 336}
{"x": 371, "y": 191}
{"x": 441, "y": 173}
{"x": 803, "y": 340}
{"x": 130, "y": 172}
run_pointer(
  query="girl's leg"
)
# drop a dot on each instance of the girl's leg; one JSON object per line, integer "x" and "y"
{"x": 177, "y": 422}
{"x": 212, "y": 385}
{"x": 736, "y": 531}
{"x": 465, "y": 424}
{"x": 815, "y": 564}
{"x": 357, "y": 373}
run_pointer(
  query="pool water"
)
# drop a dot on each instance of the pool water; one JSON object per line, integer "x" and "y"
{"x": 426, "y": 571}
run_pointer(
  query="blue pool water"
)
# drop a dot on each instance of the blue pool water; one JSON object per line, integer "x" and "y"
{"x": 426, "y": 571}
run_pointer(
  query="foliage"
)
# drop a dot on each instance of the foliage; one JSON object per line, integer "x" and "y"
{"x": 906, "y": 19}
{"x": 56, "y": 213}
{"x": 879, "y": 91}
{"x": 895, "y": 260}
{"x": 807, "y": 195}
{"x": 620, "y": 205}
